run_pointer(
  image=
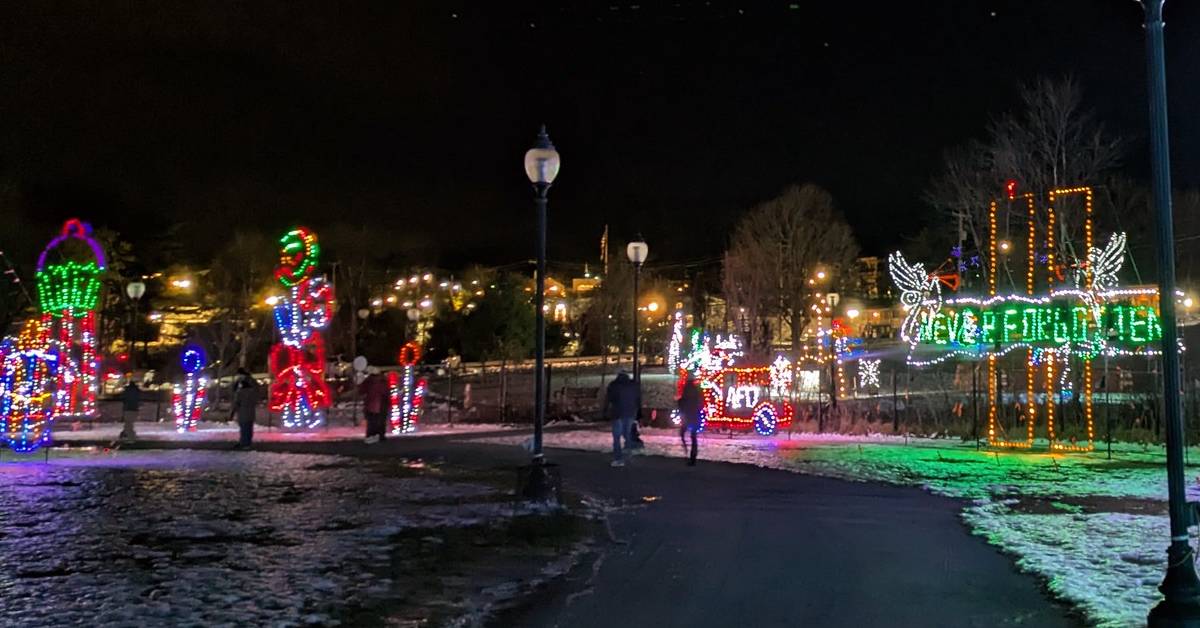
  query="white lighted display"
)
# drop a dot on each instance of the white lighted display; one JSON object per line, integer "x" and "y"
{"x": 740, "y": 397}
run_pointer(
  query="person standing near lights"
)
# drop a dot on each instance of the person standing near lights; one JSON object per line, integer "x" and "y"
{"x": 375, "y": 396}
{"x": 689, "y": 413}
{"x": 621, "y": 403}
{"x": 245, "y": 406}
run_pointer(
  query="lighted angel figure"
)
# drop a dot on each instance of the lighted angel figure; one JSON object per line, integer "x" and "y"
{"x": 920, "y": 292}
{"x": 1106, "y": 263}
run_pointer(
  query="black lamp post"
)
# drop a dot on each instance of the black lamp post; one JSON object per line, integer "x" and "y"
{"x": 414, "y": 317}
{"x": 636, "y": 251}
{"x": 541, "y": 166}
{"x": 135, "y": 290}
{"x": 1180, "y": 586}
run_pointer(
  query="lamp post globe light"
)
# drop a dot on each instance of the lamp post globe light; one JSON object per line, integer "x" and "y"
{"x": 541, "y": 166}
{"x": 414, "y": 317}
{"x": 134, "y": 290}
{"x": 636, "y": 251}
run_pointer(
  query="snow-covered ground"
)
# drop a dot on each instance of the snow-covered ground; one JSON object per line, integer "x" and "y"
{"x": 195, "y": 538}
{"x": 1095, "y": 529}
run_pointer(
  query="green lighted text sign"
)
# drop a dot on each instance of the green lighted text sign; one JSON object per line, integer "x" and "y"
{"x": 1050, "y": 324}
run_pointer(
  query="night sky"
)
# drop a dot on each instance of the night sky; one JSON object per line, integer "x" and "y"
{"x": 413, "y": 117}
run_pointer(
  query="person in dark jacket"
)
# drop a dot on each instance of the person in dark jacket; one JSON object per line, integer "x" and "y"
{"x": 245, "y": 406}
{"x": 621, "y": 404}
{"x": 375, "y": 393}
{"x": 689, "y": 416}
{"x": 131, "y": 401}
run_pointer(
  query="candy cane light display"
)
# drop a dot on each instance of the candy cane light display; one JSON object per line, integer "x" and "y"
{"x": 187, "y": 399}
{"x": 297, "y": 362}
{"x": 29, "y": 394}
{"x": 68, "y": 291}
{"x": 407, "y": 393}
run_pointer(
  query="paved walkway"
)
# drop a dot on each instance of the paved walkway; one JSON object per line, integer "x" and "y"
{"x": 739, "y": 546}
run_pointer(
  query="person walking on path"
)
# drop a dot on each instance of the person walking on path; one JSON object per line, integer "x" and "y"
{"x": 375, "y": 396}
{"x": 621, "y": 404}
{"x": 245, "y": 406}
{"x": 689, "y": 415}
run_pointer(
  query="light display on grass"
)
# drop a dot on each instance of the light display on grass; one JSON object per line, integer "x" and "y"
{"x": 1068, "y": 314}
{"x": 30, "y": 367}
{"x": 297, "y": 362}
{"x": 187, "y": 399}
{"x": 68, "y": 291}
{"x": 406, "y": 391}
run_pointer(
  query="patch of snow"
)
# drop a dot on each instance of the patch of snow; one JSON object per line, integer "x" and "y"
{"x": 209, "y": 538}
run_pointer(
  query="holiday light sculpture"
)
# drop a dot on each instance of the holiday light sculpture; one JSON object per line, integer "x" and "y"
{"x": 868, "y": 373}
{"x": 674, "y": 357}
{"x": 407, "y": 393}
{"x": 187, "y": 400}
{"x": 739, "y": 398}
{"x": 1066, "y": 313}
{"x": 29, "y": 391}
{"x": 68, "y": 291}
{"x": 297, "y": 362}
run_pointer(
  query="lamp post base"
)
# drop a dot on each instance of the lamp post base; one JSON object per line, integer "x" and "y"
{"x": 1175, "y": 614}
{"x": 1181, "y": 608}
{"x": 539, "y": 481}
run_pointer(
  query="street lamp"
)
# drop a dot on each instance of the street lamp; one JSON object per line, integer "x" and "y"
{"x": 414, "y": 317}
{"x": 636, "y": 251}
{"x": 1180, "y": 587}
{"x": 135, "y": 290}
{"x": 541, "y": 166}
{"x": 362, "y": 315}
